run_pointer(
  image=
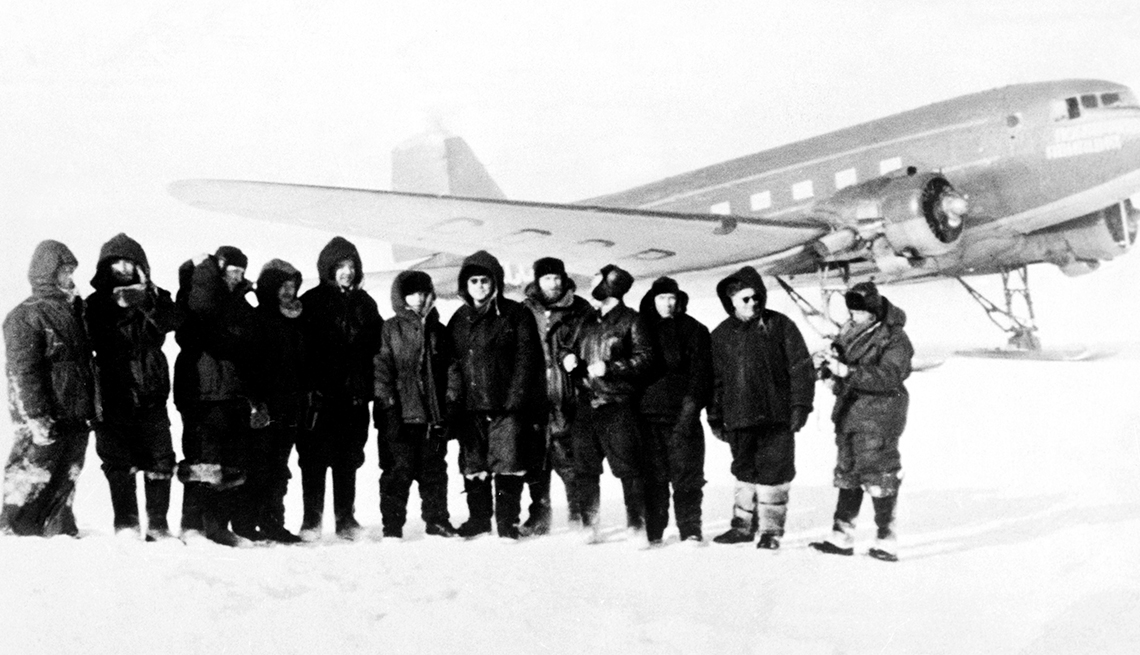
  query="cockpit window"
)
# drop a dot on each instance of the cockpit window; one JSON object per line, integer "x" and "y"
{"x": 1070, "y": 108}
{"x": 1074, "y": 107}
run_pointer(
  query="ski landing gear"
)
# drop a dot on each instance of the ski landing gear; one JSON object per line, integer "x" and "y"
{"x": 1021, "y": 328}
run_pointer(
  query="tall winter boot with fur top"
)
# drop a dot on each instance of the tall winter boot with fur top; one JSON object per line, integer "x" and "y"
{"x": 478, "y": 490}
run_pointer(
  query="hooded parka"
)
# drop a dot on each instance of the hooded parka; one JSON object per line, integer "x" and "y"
{"x": 51, "y": 397}
{"x": 871, "y": 401}
{"x": 342, "y": 329}
{"x": 761, "y": 368}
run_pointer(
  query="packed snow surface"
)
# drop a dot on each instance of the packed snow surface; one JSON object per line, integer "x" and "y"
{"x": 1018, "y": 520}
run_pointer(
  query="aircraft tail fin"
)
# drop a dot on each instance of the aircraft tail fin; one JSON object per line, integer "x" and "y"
{"x": 442, "y": 164}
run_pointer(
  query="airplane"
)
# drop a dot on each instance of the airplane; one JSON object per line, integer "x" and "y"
{"x": 986, "y": 183}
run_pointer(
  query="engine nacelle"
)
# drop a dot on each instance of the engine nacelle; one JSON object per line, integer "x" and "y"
{"x": 921, "y": 215}
{"x": 1078, "y": 245}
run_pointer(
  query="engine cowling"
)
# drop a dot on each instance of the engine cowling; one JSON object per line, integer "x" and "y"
{"x": 919, "y": 215}
{"x": 922, "y": 215}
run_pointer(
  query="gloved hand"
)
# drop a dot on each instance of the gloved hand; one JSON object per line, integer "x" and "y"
{"x": 258, "y": 415}
{"x": 838, "y": 368}
{"x": 129, "y": 296}
{"x": 799, "y": 418}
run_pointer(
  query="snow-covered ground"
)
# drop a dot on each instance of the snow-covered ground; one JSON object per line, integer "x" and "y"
{"x": 1019, "y": 523}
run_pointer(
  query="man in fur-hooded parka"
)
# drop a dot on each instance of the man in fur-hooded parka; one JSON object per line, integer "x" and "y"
{"x": 415, "y": 364}
{"x": 871, "y": 360}
{"x": 128, "y": 318}
{"x": 51, "y": 397}
{"x": 281, "y": 384}
{"x": 559, "y": 313}
{"x": 763, "y": 388}
{"x": 501, "y": 368}
{"x": 342, "y": 335}
{"x": 671, "y": 409}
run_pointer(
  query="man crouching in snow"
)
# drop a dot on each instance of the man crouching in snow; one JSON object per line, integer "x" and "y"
{"x": 763, "y": 388}
{"x": 872, "y": 359}
{"x": 51, "y": 394}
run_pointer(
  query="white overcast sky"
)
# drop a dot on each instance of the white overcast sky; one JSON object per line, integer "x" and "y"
{"x": 102, "y": 104}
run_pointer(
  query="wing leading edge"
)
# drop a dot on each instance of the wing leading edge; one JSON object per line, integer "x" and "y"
{"x": 587, "y": 238}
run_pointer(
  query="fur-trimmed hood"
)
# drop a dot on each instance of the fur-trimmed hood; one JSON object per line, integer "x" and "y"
{"x": 335, "y": 251}
{"x": 480, "y": 260}
{"x": 749, "y": 277}
{"x": 275, "y": 273}
{"x": 118, "y": 247}
{"x": 47, "y": 259}
{"x": 648, "y": 307}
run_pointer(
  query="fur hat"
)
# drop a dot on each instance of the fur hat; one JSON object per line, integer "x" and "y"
{"x": 615, "y": 283}
{"x": 549, "y": 266}
{"x": 232, "y": 256}
{"x": 864, "y": 296}
{"x": 415, "y": 282}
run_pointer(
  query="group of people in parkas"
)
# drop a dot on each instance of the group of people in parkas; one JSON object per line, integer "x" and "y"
{"x": 553, "y": 384}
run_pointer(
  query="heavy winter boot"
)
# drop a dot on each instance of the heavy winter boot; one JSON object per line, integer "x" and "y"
{"x": 842, "y": 539}
{"x": 508, "y": 498}
{"x": 433, "y": 510}
{"x": 313, "y": 496}
{"x": 479, "y": 510}
{"x": 687, "y": 512}
{"x": 589, "y": 500}
{"x": 538, "y": 514}
{"x": 394, "y": 488}
{"x": 633, "y": 492}
{"x": 885, "y": 546}
{"x": 656, "y": 510}
{"x": 123, "y": 501}
{"x": 744, "y": 519}
{"x": 772, "y": 506}
{"x": 216, "y": 511}
{"x": 244, "y": 511}
{"x": 344, "y": 503}
{"x": 157, "y": 490}
{"x": 191, "y": 521}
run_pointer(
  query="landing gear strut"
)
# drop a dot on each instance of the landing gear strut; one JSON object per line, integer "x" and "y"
{"x": 1021, "y": 328}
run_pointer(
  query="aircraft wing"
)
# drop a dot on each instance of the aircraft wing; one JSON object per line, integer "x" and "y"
{"x": 646, "y": 243}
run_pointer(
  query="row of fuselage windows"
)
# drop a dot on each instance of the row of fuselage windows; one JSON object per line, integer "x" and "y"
{"x": 1070, "y": 108}
{"x": 804, "y": 189}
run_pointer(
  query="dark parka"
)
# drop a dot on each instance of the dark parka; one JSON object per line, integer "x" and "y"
{"x": 133, "y": 371}
{"x": 217, "y": 336}
{"x": 50, "y": 372}
{"x": 342, "y": 329}
{"x": 761, "y": 369}
{"x": 872, "y": 398}
{"x": 51, "y": 396}
{"x": 500, "y": 359}
{"x": 621, "y": 340}
{"x": 416, "y": 360}
{"x": 558, "y": 324}
{"x": 682, "y": 374}
{"x": 280, "y": 376}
